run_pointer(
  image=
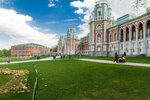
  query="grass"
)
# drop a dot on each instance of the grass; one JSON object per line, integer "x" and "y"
{"x": 80, "y": 80}
{"x": 4, "y": 79}
{"x": 145, "y": 60}
{"x": 21, "y": 59}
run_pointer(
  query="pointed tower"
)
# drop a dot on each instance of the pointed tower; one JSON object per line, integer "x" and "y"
{"x": 100, "y": 20}
{"x": 71, "y": 42}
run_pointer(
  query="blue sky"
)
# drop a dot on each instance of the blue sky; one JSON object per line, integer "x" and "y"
{"x": 62, "y": 15}
{"x": 42, "y": 21}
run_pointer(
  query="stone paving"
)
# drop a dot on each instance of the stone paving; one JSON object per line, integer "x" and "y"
{"x": 44, "y": 59}
{"x": 111, "y": 62}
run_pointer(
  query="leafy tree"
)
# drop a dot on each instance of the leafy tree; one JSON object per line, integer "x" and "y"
{"x": 54, "y": 49}
{"x": 5, "y": 53}
{"x": 1, "y": 53}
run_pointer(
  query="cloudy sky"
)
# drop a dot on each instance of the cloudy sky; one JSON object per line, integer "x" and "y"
{"x": 42, "y": 21}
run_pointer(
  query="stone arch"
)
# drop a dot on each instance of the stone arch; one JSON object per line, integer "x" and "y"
{"x": 121, "y": 35}
{"x": 148, "y": 28}
{"x": 110, "y": 37}
{"x": 140, "y": 30}
{"x": 133, "y": 32}
{"x": 127, "y": 33}
{"x": 99, "y": 38}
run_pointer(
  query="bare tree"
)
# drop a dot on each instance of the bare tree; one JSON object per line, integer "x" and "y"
{"x": 138, "y": 4}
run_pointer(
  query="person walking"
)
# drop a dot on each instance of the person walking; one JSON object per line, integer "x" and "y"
{"x": 8, "y": 60}
{"x": 79, "y": 55}
{"x": 124, "y": 56}
{"x": 70, "y": 57}
{"x": 116, "y": 57}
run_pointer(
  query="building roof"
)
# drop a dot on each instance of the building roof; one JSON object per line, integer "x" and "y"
{"x": 30, "y": 44}
{"x": 127, "y": 21}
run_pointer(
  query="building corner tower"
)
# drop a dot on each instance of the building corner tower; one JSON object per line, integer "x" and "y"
{"x": 100, "y": 20}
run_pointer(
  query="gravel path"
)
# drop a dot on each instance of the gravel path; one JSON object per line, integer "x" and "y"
{"x": 16, "y": 62}
{"x": 111, "y": 62}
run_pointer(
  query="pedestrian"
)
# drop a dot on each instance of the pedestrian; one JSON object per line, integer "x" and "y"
{"x": 70, "y": 57}
{"x": 124, "y": 56}
{"x": 61, "y": 57}
{"x": 79, "y": 55}
{"x": 116, "y": 57}
{"x": 53, "y": 57}
{"x": 8, "y": 59}
{"x": 64, "y": 57}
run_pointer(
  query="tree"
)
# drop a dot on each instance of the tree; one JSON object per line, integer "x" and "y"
{"x": 5, "y": 52}
{"x": 1, "y": 53}
{"x": 54, "y": 49}
{"x": 137, "y": 4}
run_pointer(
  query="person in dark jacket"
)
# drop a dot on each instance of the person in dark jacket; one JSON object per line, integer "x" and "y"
{"x": 70, "y": 57}
{"x": 116, "y": 57}
{"x": 8, "y": 59}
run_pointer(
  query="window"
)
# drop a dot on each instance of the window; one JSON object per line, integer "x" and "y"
{"x": 115, "y": 37}
{"x": 99, "y": 39}
{"x": 110, "y": 38}
{"x": 121, "y": 40}
{"x": 99, "y": 13}
{"x": 99, "y": 48}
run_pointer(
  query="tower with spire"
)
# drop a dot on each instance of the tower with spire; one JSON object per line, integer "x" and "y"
{"x": 100, "y": 20}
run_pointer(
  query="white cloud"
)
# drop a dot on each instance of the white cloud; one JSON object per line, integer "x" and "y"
{"x": 51, "y": 3}
{"x": 15, "y": 26}
{"x": 51, "y": 22}
{"x": 79, "y": 11}
{"x": 70, "y": 20}
{"x": 119, "y": 8}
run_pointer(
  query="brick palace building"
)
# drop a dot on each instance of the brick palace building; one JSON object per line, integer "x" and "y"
{"x": 27, "y": 50}
{"x": 129, "y": 33}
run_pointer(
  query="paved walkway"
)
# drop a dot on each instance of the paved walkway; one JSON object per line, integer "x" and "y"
{"x": 44, "y": 59}
{"x": 111, "y": 62}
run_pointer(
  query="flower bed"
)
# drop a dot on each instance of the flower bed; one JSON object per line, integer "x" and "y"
{"x": 18, "y": 82}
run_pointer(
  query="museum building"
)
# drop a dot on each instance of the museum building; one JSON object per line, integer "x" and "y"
{"x": 129, "y": 33}
{"x": 28, "y": 50}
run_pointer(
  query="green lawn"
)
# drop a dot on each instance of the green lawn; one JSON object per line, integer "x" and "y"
{"x": 128, "y": 59}
{"x": 79, "y": 80}
{"x": 4, "y": 79}
{"x": 21, "y": 59}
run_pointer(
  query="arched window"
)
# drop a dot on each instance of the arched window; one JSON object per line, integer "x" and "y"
{"x": 148, "y": 29}
{"x": 133, "y": 33}
{"x": 99, "y": 39}
{"x": 99, "y": 12}
{"x": 115, "y": 37}
{"x": 127, "y": 34}
{"x": 98, "y": 49}
{"x": 140, "y": 31}
{"x": 121, "y": 37}
{"x": 110, "y": 38}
